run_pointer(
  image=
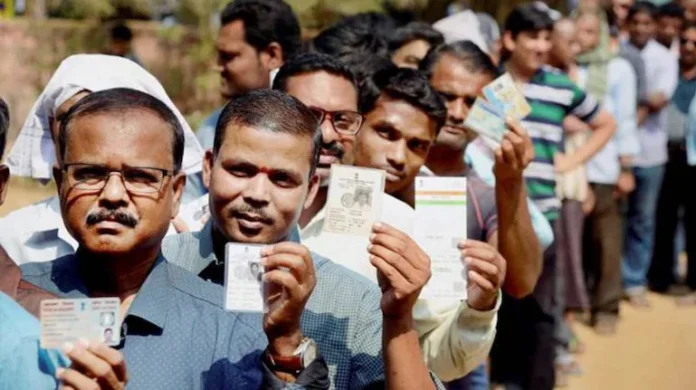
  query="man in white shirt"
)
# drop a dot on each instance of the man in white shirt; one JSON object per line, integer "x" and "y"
{"x": 455, "y": 337}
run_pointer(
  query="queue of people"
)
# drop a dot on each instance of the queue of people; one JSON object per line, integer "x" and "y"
{"x": 145, "y": 208}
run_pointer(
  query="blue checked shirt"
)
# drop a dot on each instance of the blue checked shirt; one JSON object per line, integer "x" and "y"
{"x": 177, "y": 335}
{"x": 342, "y": 316}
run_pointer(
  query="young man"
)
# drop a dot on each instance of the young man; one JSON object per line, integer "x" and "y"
{"x": 661, "y": 71}
{"x": 670, "y": 20}
{"x": 261, "y": 175}
{"x": 255, "y": 38}
{"x": 675, "y": 193}
{"x": 458, "y": 72}
{"x": 117, "y": 196}
{"x": 328, "y": 87}
{"x": 526, "y": 45}
{"x": 411, "y": 43}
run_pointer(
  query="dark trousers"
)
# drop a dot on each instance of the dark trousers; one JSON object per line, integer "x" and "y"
{"x": 678, "y": 190}
{"x": 603, "y": 242}
{"x": 523, "y": 353}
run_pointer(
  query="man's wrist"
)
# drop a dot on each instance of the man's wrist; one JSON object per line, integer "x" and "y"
{"x": 398, "y": 324}
{"x": 285, "y": 345}
{"x": 486, "y": 304}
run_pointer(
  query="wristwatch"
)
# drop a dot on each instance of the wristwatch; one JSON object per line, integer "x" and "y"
{"x": 303, "y": 356}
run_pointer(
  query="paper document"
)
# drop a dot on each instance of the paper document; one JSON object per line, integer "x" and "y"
{"x": 354, "y": 202}
{"x": 244, "y": 288}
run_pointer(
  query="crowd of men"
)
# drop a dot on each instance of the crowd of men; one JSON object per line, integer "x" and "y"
{"x": 574, "y": 210}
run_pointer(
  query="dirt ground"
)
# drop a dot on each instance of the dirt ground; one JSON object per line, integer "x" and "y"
{"x": 652, "y": 350}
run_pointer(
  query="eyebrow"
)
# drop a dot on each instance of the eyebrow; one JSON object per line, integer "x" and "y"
{"x": 241, "y": 162}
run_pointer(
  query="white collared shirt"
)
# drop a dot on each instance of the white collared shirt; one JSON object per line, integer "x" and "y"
{"x": 36, "y": 233}
{"x": 455, "y": 338}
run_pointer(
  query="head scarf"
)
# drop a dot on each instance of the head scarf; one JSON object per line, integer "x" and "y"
{"x": 597, "y": 60}
{"x": 33, "y": 154}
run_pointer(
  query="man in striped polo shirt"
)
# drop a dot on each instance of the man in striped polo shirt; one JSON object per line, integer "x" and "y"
{"x": 553, "y": 97}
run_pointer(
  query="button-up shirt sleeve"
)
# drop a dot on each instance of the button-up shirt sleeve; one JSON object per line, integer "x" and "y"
{"x": 455, "y": 338}
{"x": 624, "y": 92}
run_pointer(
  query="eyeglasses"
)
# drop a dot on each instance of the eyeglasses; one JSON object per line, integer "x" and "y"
{"x": 136, "y": 180}
{"x": 343, "y": 122}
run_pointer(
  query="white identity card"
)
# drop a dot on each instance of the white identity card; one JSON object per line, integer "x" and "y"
{"x": 244, "y": 287}
{"x": 486, "y": 121}
{"x": 504, "y": 94}
{"x": 70, "y": 320}
{"x": 440, "y": 226}
{"x": 354, "y": 203}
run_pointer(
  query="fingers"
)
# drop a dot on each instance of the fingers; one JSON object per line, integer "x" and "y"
{"x": 295, "y": 264}
{"x": 401, "y": 286}
{"x": 483, "y": 283}
{"x": 288, "y": 281}
{"x": 72, "y": 379}
{"x": 484, "y": 268}
{"x": 179, "y": 225}
{"x": 395, "y": 261}
{"x": 465, "y": 243}
{"x": 293, "y": 256}
{"x": 89, "y": 364}
{"x": 113, "y": 357}
{"x": 381, "y": 227}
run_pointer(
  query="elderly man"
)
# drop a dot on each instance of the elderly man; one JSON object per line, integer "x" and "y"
{"x": 117, "y": 195}
{"x": 262, "y": 172}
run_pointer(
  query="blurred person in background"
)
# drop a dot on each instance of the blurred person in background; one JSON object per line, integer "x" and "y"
{"x": 620, "y": 9}
{"x": 689, "y": 9}
{"x": 411, "y": 43}
{"x": 649, "y": 165}
{"x": 526, "y": 328}
{"x": 675, "y": 194}
{"x": 255, "y": 38}
{"x": 612, "y": 81}
{"x": 120, "y": 43}
{"x": 37, "y": 232}
{"x": 670, "y": 20}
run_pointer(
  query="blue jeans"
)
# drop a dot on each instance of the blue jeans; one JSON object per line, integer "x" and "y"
{"x": 475, "y": 380}
{"x": 640, "y": 227}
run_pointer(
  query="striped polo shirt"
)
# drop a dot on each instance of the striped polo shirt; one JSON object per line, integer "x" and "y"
{"x": 553, "y": 96}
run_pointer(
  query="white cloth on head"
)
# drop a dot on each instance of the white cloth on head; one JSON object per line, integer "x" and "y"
{"x": 33, "y": 154}
{"x": 462, "y": 26}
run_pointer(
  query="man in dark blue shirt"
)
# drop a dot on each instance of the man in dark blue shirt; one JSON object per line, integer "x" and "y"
{"x": 118, "y": 194}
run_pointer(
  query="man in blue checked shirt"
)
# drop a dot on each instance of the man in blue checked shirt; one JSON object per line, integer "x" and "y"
{"x": 261, "y": 174}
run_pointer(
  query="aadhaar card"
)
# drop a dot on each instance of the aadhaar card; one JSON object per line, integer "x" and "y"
{"x": 69, "y": 320}
{"x": 486, "y": 121}
{"x": 354, "y": 203}
{"x": 440, "y": 226}
{"x": 244, "y": 287}
{"x": 504, "y": 94}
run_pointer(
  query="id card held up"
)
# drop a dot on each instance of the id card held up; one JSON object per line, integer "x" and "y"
{"x": 441, "y": 209}
{"x": 354, "y": 202}
{"x": 244, "y": 287}
{"x": 69, "y": 320}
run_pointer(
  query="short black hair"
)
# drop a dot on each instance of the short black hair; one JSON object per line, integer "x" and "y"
{"x": 364, "y": 64}
{"x": 671, "y": 10}
{"x": 365, "y": 32}
{"x": 310, "y": 63}
{"x": 474, "y": 59}
{"x": 265, "y": 22}
{"x": 405, "y": 84}
{"x": 688, "y": 24}
{"x": 642, "y": 7}
{"x": 122, "y": 100}
{"x": 527, "y": 18}
{"x": 4, "y": 125}
{"x": 274, "y": 111}
{"x": 415, "y": 31}
{"x": 121, "y": 32}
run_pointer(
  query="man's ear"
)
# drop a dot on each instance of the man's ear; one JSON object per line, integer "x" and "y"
{"x": 179, "y": 182}
{"x": 508, "y": 41}
{"x": 4, "y": 181}
{"x": 272, "y": 56}
{"x": 313, "y": 189}
{"x": 208, "y": 161}
{"x": 58, "y": 177}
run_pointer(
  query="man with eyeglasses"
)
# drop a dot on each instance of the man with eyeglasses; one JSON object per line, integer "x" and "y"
{"x": 117, "y": 196}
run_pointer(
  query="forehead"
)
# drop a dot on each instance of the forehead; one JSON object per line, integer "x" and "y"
{"x": 268, "y": 149}
{"x": 231, "y": 36}
{"x": 642, "y": 16}
{"x": 324, "y": 90}
{"x": 587, "y": 21}
{"x": 451, "y": 75}
{"x": 410, "y": 121}
{"x": 136, "y": 137}
{"x": 416, "y": 46}
{"x": 565, "y": 28}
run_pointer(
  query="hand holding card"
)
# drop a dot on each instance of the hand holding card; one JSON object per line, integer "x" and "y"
{"x": 93, "y": 363}
{"x": 504, "y": 94}
{"x": 70, "y": 320}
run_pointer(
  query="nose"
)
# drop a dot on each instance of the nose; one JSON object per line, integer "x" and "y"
{"x": 114, "y": 193}
{"x": 256, "y": 192}
{"x": 456, "y": 111}
{"x": 328, "y": 134}
{"x": 396, "y": 157}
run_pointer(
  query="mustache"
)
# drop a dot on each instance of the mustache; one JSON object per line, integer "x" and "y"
{"x": 259, "y": 213}
{"x": 120, "y": 216}
{"x": 334, "y": 148}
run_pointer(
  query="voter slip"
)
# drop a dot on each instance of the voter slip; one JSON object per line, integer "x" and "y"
{"x": 70, "y": 320}
{"x": 354, "y": 202}
{"x": 441, "y": 210}
{"x": 244, "y": 287}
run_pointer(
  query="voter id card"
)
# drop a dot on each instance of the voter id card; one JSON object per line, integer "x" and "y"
{"x": 244, "y": 287}
{"x": 70, "y": 320}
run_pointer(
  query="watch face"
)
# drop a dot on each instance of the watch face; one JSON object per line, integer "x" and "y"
{"x": 310, "y": 353}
